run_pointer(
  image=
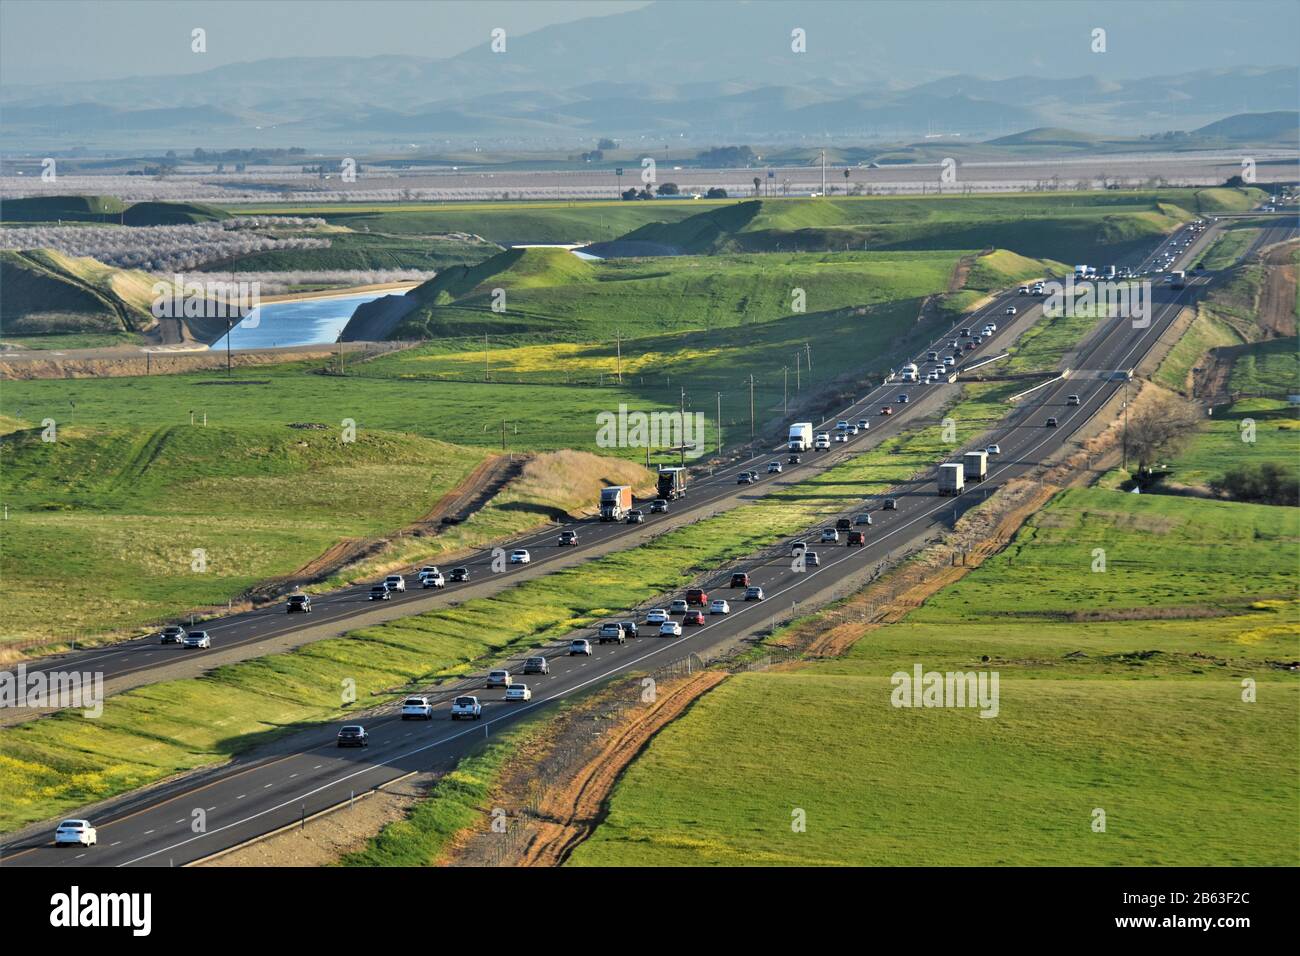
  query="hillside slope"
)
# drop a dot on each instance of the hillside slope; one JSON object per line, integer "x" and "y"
{"x": 49, "y": 292}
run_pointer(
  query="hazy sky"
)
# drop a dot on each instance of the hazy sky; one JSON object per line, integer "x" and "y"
{"x": 43, "y": 41}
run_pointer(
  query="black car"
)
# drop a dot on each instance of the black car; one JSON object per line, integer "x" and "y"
{"x": 794, "y": 460}
{"x": 1051, "y": 423}
{"x": 380, "y": 592}
{"x": 568, "y": 537}
{"x": 636, "y": 516}
{"x": 459, "y": 574}
{"x": 298, "y": 602}
{"x": 629, "y": 628}
{"x": 891, "y": 504}
{"x": 743, "y": 478}
{"x": 353, "y": 735}
{"x": 843, "y": 524}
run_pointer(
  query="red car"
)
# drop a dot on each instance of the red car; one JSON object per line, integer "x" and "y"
{"x": 857, "y": 539}
{"x": 693, "y": 617}
{"x": 697, "y": 597}
{"x": 739, "y": 579}
{"x": 886, "y": 409}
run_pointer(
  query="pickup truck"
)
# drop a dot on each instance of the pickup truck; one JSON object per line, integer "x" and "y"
{"x": 466, "y": 707}
{"x": 611, "y": 632}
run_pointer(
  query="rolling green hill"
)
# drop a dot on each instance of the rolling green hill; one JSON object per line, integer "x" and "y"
{"x": 171, "y": 214}
{"x": 1069, "y": 227}
{"x": 69, "y": 208}
{"x": 114, "y": 513}
{"x": 47, "y": 292}
{"x": 552, "y": 295}
{"x": 107, "y": 209}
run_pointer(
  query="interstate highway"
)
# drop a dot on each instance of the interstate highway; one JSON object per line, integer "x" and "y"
{"x": 244, "y": 801}
{"x": 134, "y": 662}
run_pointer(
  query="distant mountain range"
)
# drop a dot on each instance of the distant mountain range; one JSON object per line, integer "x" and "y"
{"x": 713, "y": 72}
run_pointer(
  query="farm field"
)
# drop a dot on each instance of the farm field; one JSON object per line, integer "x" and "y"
{"x": 1120, "y": 691}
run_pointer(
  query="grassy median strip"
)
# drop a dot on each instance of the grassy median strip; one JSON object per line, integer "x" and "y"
{"x": 55, "y": 764}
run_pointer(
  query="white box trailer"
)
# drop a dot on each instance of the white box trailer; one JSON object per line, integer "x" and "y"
{"x": 950, "y": 478}
{"x": 801, "y": 436}
{"x": 976, "y": 465}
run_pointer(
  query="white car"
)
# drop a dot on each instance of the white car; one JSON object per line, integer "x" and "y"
{"x": 434, "y": 580}
{"x": 1011, "y": 310}
{"x": 500, "y": 678}
{"x": 417, "y": 708}
{"x": 670, "y": 629}
{"x": 822, "y": 441}
{"x": 75, "y": 831}
{"x": 656, "y": 616}
{"x": 520, "y": 557}
{"x": 719, "y": 606}
{"x": 830, "y": 535}
{"x": 395, "y": 582}
{"x": 949, "y": 361}
{"x": 425, "y": 571}
{"x": 1024, "y": 290}
{"x": 863, "y": 424}
{"x": 842, "y": 426}
{"x": 199, "y": 639}
{"x": 580, "y": 646}
{"x": 466, "y": 707}
{"x": 518, "y": 692}
{"x": 994, "y": 449}
{"x": 678, "y": 606}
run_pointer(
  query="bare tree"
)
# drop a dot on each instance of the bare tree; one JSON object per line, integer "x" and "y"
{"x": 1161, "y": 428}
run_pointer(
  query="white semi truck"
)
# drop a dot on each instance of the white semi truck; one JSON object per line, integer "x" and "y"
{"x": 976, "y": 465}
{"x": 950, "y": 478}
{"x": 801, "y": 436}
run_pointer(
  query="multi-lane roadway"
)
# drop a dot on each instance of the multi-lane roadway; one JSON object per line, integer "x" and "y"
{"x": 310, "y": 773}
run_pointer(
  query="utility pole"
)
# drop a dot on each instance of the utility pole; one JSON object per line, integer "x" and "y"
{"x": 682, "y": 442}
{"x": 486, "y": 372}
{"x": 751, "y": 415}
{"x": 718, "y": 424}
{"x": 798, "y": 361}
{"x": 1125, "y": 424}
{"x": 809, "y": 349}
{"x": 229, "y": 327}
{"x": 823, "y": 173}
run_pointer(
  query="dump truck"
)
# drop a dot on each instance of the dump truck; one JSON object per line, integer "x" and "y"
{"x": 801, "y": 436}
{"x": 615, "y": 502}
{"x": 977, "y": 465}
{"x": 950, "y": 479}
{"x": 672, "y": 483}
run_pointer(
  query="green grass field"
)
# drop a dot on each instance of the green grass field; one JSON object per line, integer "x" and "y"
{"x": 1136, "y": 710}
{"x": 112, "y": 515}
